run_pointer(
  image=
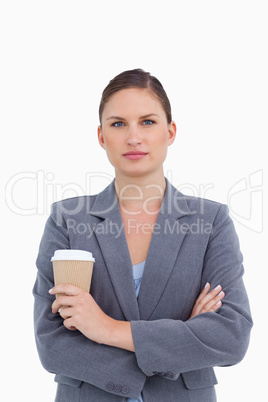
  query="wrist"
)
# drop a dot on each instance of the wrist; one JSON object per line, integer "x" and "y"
{"x": 120, "y": 335}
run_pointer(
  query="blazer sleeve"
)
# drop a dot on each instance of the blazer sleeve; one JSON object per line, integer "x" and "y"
{"x": 170, "y": 347}
{"x": 70, "y": 353}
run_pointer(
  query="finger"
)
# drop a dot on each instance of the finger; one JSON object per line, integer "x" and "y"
{"x": 65, "y": 312}
{"x": 206, "y": 297}
{"x": 203, "y": 293}
{"x": 211, "y": 295}
{"x": 217, "y": 290}
{"x": 216, "y": 307}
{"x": 213, "y": 304}
{"x": 198, "y": 305}
{"x": 207, "y": 301}
{"x": 68, "y": 324}
{"x": 72, "y": 329}
{"x": 66, "y": 288}
{"x": 62, "y": 301}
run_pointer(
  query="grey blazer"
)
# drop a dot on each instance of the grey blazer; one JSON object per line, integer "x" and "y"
{"x": 194, "y": 242}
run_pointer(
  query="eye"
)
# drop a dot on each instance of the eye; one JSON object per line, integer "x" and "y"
{"x": 118, "y": 124}
{"x": 148, "y": 122}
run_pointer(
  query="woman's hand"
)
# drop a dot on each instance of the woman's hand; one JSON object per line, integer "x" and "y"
{"x": 208, "y": 301}
{"x": 81, "y": 312}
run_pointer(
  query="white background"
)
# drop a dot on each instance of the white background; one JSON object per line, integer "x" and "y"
{"x": 56, "y": 58}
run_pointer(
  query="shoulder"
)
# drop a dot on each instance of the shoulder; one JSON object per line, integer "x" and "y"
{"x": 209, "y": 211}
{"x": 195, "y": 206}
{"x": 69, "y": 208}
{"x": 74, "y": 203}
{"x": 83, "y": 203}
{"x": 85, "y": 206}
{"x": 206, "y": 206}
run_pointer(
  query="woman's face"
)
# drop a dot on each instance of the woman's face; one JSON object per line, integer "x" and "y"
{"x": 135, "y": 132}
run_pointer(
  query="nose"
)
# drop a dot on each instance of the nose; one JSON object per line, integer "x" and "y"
{"x": 134, "y": 137}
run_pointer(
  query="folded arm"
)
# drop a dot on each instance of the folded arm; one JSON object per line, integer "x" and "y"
{"x": 163, "y": 345}
{"x": 209, "y": 339}
{"x": 83, "y": 313}
{"x": 70, "y": 353}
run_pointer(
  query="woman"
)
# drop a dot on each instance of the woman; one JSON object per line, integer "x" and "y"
{"x": 157, "y": 340}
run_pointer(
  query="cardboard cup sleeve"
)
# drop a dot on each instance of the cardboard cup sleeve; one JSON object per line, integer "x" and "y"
{"x": 73, "y": 267}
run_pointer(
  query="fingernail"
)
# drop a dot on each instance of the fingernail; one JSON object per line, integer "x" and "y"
{"x": 206, "y": 285}
{"x": 50, "y": 290}
{"x": 218, "y": 287}
{"x": 59, "y": 310}
{"x": 219, "y": 303}
{"x": 221, "y": 293}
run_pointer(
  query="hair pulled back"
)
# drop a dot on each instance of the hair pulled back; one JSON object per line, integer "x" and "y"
{"x": 136, "y": 78}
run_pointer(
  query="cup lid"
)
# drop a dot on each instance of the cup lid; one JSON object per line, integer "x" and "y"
{"x": 70, "y": 254}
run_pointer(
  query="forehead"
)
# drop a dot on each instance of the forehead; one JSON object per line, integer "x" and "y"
{"x": 131, "y": 101}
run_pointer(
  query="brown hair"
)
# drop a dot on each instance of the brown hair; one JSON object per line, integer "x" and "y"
{"x": 140, "y": 79}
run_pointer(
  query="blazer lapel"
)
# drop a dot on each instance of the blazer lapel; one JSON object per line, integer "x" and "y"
{"x": 163, "y": 250}
{"x": 113, "y": 244}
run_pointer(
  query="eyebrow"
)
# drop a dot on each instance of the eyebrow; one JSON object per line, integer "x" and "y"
{"x": 141, "y": 117}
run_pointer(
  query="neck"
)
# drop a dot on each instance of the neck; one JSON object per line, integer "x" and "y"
{"x": 143, "y": 194}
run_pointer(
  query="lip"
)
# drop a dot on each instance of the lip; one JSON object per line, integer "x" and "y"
{"x": 133, "y": 155}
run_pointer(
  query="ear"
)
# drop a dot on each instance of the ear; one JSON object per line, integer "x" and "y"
{"x": 172, "y": 130}
{"x": 101, "y": 138}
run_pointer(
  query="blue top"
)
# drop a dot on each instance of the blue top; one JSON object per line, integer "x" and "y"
{"x": 137, "y": 275}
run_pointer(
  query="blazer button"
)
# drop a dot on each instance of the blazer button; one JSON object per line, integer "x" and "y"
{"x": 117, "y": 388}
{"x": 125, "y": 390}
{"x": 110, "y": 386}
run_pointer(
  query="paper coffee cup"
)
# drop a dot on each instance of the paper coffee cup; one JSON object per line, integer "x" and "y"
{"x": 73, "y": 267}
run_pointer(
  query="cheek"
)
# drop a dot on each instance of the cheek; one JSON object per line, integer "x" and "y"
{"x": 161, "y": 144}
{"x": 108, "y": 143}
{"x": 111, "y": 151}
{"x": 161, "y": 141}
